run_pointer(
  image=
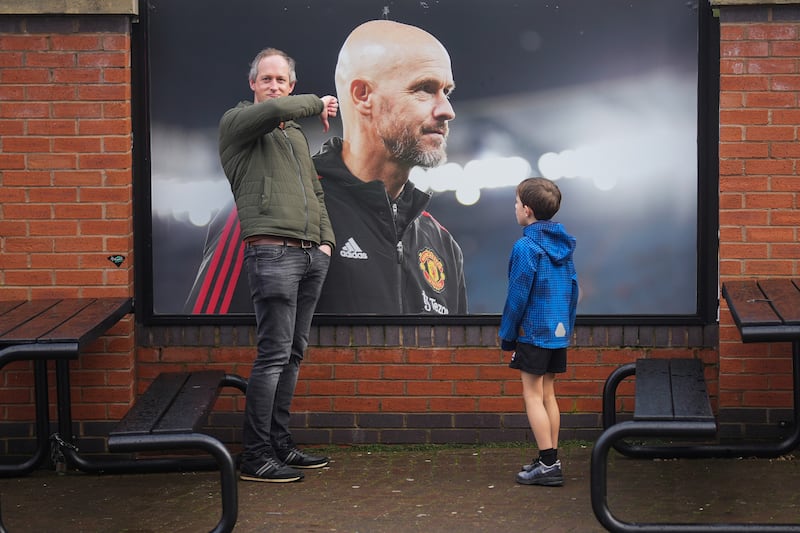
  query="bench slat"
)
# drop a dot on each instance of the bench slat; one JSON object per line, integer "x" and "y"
{"x": 653, "y": 393}
{"x": 5, "y": 307}
{"x": 765, "y": 310}
{"x": 689, "y": 395}
{"x": 192, "y": 404}
{"x": 18, "y": 316}
{"x": 49, "y": 319}
{"x": 97, "y": 317}
{"x": 749, "y": 305}
{"x": 671, "y": 389}
{"x": 785, "y": 298}
{"x": 151, "y": 406}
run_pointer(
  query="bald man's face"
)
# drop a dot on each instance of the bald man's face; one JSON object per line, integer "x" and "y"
{"x": 414, "y": 108}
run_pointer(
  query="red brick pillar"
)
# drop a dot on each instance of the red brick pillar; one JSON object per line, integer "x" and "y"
{"x": 759, "y": 198}
{"x": 66, "y": 185}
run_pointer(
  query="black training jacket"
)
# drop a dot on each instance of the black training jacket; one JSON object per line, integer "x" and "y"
{"x": 391, "y": 257}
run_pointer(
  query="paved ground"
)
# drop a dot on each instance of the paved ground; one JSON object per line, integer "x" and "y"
{"x": 446, "y": 490}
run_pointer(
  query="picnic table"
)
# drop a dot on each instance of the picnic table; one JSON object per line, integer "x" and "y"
{"x": 168, "y": 416}
{"x": 52, "y": 330}
{"x": 764, "y": 311}
{"x": 768, "y": 310}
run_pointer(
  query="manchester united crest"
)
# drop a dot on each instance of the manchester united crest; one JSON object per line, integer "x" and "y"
{"x": 432, "y": 268}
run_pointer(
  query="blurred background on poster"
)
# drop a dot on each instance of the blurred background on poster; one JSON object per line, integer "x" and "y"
{"x": 587, "y": 93}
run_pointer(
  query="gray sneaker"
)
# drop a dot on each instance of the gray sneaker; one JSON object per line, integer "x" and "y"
{"x": 530, "y": 466}
{"x": 548, "y": 476}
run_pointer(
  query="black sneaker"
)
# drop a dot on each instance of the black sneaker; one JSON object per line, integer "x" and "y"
{"x": 540, "y": 474}
{"x": 296, "y": 458}
{"x": 270, "y": 470}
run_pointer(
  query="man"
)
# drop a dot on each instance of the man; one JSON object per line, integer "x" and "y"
{"x": 394, "y": 258}
{"x": 393, "y": 82}
{"x": 288, "y": 241}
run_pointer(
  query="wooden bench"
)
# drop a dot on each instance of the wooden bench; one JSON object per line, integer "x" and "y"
{"x": 671, "y": 401}
{"x": 170, "y": 416}
{"x": 671, "y": 390}
{"x": 668, "y": 391}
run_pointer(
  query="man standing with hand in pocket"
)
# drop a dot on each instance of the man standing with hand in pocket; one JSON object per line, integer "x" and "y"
{"x": 289, "y": 239}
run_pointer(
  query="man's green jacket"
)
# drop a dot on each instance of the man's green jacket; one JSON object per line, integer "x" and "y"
{"x": 266, "y": 158}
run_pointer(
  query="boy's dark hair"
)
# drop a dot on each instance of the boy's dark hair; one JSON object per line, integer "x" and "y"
{"x": 541, "y": 195}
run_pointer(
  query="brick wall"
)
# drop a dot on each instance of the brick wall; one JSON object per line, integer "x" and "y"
{"x": 423, "y": 384}
{"x": 759, "y": 190}
{"x": 66, "y": 193}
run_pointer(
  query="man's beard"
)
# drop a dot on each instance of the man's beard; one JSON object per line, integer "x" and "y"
{"x": 406, "y": 148}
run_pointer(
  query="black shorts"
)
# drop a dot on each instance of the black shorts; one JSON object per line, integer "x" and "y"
{"x": 539, "y": 361}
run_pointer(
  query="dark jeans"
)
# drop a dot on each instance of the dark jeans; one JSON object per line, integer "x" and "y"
{"x": 285, "y": 283}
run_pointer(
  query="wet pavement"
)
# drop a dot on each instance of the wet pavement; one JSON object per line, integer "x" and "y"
{"x": 430, "y": 490}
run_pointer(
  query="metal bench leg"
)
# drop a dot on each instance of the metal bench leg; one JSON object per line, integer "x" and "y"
{"x": 599, "y": 483}
{"x": 599, "y": 471}
{"x": 227, "y": 467}
{"x": 610, "y": 412}
{"x": 599, "y": 479}
{"x": 234, "y": 380}
{"x": 610, "y": 392}
{"x": 2, "y": 527}
{"x": 42, "y": 427}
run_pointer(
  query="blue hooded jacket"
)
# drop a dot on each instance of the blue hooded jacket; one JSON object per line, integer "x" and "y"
{"x": 542, "y": 288}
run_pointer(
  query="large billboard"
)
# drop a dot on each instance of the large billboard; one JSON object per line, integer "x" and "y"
{"x": 600, "y": 96}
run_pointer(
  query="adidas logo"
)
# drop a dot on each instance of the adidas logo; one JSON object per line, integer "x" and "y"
{"x": 351, "y": 250}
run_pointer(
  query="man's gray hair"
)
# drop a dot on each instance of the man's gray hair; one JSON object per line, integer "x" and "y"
{"x": 267, "y": 52}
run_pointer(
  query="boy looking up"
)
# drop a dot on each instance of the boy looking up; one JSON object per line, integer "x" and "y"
{"x": 538, "y": 318}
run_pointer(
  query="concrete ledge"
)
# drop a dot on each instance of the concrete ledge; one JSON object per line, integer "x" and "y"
{"x": 70, "y": 7}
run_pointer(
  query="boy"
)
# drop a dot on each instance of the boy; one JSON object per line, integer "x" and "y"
{"x": 538, "y": 318}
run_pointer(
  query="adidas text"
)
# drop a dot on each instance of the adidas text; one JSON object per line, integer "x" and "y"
{"x": 351, "y": 250}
